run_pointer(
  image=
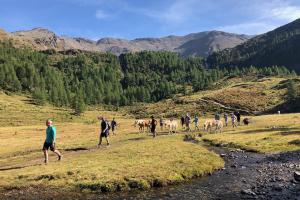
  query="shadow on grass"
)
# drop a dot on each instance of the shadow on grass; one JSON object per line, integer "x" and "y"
{"x": 77, "y": 149}
{"x": 137, "y": 139}
{"x": 292, "y": 132}
{"x": 282, "y": 129}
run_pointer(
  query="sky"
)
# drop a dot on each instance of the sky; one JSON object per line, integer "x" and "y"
{"x": 129, "y": 19}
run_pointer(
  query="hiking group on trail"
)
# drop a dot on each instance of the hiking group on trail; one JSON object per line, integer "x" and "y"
{"x": 105, "y": 127}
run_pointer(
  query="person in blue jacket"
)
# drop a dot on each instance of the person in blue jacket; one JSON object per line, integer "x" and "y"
{"x": 50, "y": 141}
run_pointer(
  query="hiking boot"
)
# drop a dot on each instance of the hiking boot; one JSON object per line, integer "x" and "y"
{"x": 46, "y": 162}
{"x": 108, "y": 145}
{"x": 59, "y": 157}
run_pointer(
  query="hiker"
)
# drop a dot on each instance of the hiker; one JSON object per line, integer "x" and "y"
{"x": 113, "y": 126}
{"x": 217, "y": 116}
{"x": 238, "y": 117}
{"x": 196, "y": 121}
{"x": 161, "y": 123}
{"x": 50, "y": 141}
{"x": 233, "y": 120}
{"x": 187, "y": 122}
{"x": 153, "y": 126}
{"x": 104, "y": 131}
{"x": 182, "y": 121}
{"x": 226, "y": 119}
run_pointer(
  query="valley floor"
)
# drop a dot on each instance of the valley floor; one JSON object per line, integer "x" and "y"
{"x": 136, "y": 161}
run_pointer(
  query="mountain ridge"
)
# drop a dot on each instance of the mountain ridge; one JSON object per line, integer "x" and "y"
{"x": 193, "y": 44}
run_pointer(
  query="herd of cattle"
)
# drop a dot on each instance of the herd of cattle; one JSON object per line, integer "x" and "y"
{"x": 172, "y": 125}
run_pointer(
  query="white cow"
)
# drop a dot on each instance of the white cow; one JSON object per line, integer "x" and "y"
{"x": 171, "y": 125}
{"x": 208, "y": 124}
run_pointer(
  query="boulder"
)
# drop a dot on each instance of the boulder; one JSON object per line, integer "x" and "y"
{"x": 248, "y": 192}
{"x": 297, "y": 176}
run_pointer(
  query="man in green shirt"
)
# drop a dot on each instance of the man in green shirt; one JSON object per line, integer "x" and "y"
{"x": 50, "y": 141}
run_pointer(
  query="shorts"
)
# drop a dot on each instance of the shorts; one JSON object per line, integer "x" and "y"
{"x": 104, "y": 134}
{"x": 49, "y": 145}
{"x": 153, "y": 129}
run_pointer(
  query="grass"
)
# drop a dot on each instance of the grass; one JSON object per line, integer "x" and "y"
{"x": 266, "y": 134}
{"x": 134, "y": 161}
{"x": 258, "y": 96}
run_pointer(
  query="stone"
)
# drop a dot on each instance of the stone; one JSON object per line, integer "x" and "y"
{"x": 277, "y": 188}
{"x": 248, "y": 192}
{"x": 297, "y": 176}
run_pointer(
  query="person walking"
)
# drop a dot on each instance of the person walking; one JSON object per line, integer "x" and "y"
{"x": 187, "y": 122}
{"x": 161, "y": 123}
{"x": 238, "y": 117}
{"x": 113, "y": 125}
{"x": 153, "y": 124}
{"x": 182, "y": 121}
{"x": 196, "y": 121}
{"x": 104, "y": 126}
{"x": 233, "y": 120}
{"x": 50, "y": 141}
{"x": 226, "y": 119}
{"x": 217, "y": 116}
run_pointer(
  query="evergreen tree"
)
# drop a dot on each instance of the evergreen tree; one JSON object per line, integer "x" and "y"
{"x": 78, "y": 103}
{"x": 292, "y": 91}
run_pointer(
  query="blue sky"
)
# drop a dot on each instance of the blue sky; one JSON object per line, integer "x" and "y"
{"x": 130, "y": 19}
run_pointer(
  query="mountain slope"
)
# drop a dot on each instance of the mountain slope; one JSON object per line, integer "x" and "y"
{"x": 278, "y": 47}
{"x": 195, "y": 44}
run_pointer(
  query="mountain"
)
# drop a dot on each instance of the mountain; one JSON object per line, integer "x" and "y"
{"x": 278, "y": 47}
{"x": 195, "y": 44}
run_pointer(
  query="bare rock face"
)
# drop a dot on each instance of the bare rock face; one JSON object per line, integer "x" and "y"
{"x": 40, "y": 38}
{"x": 195, "y": 44}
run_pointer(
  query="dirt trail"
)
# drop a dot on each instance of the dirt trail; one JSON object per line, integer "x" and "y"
{"x": 39, "y": 161}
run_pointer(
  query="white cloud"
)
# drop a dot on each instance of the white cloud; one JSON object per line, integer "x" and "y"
{"x": 177, "y": 12}
{"x": 100, "y": 14}
{"x": 286, "y": 13}
{"x": 252, "y": 28}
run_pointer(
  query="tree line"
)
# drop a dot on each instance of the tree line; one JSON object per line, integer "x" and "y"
{"x": 77, "y": 79}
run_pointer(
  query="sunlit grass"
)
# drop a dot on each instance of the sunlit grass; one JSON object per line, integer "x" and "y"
{"x": 268, "y": 134}
{"x": 133, "y": 160}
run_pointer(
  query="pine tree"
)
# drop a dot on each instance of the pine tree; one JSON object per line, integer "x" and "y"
{"x": 39, "y": 96}
{"x": 292, "y": 92}
{"x": 78, "y": 103}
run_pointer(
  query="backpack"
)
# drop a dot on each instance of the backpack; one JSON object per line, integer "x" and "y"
{"x": 108, "y": 126}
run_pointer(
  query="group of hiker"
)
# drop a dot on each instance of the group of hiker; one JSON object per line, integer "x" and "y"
{"x": 235, "y": 120}
{"x": 106, "y": 126}
{"x": 49, "y": 143}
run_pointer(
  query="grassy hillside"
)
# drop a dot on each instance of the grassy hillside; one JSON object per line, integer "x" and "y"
{"x": 250, "y": 95}
{"x": 278, "y": 47}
